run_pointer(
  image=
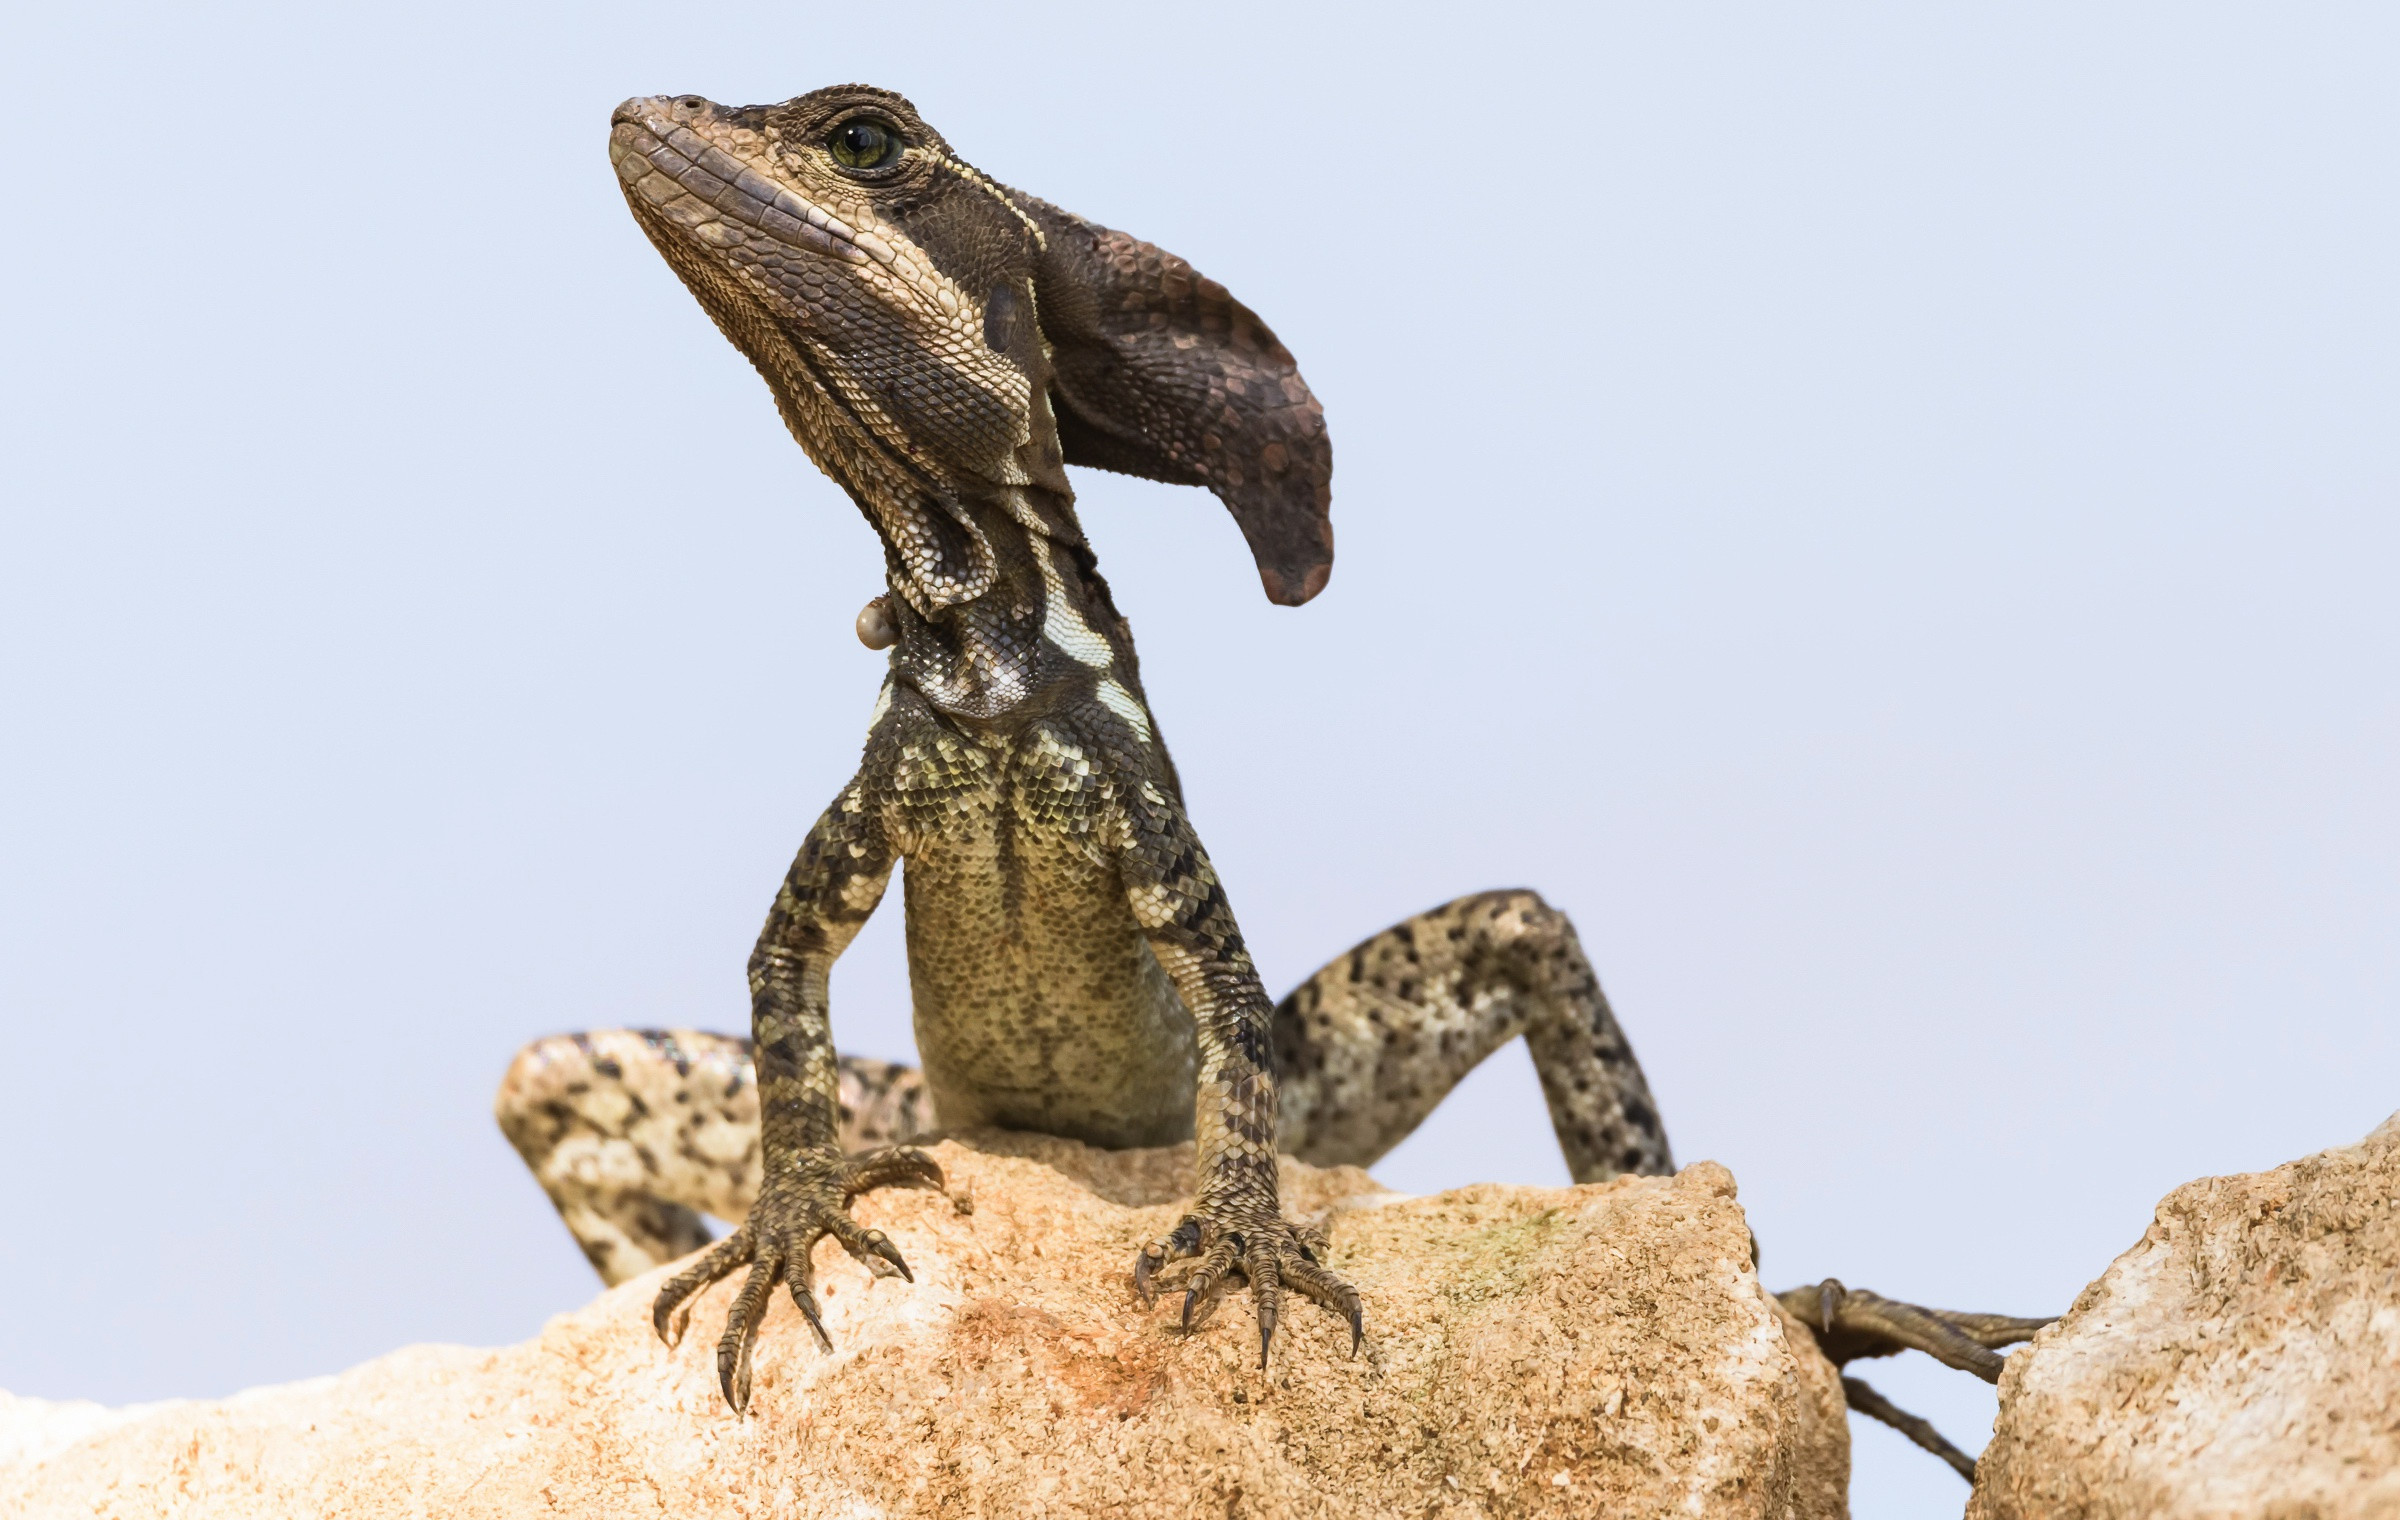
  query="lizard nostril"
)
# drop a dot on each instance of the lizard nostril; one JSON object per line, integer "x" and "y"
{"x": 691, "y": 102}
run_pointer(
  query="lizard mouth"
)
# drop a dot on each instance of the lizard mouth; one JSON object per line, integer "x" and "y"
{"x": 675, "y": 175}
{"x": 805, "y": 293}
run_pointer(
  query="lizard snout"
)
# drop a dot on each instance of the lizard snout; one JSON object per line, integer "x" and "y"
{"x": 659, "y": 113}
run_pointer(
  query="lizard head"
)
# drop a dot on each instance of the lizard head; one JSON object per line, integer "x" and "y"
{"x": 942, "y": 345}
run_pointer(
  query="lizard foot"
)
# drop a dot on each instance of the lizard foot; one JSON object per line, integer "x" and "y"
{"x": 1852, "y": 1323}
{"x": 793, "y": 1213}
{"x": 1206, "y": 1257}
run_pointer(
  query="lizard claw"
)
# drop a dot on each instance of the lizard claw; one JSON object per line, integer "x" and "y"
{"x": 807, "y": 1303}
{"x": 873, "y": 1248}
{"x": 741, "y": 1333}
{"x": 1268, "y": 1295}
{"x": 1219, "y": 1268}
{"x": 1852, "y": 1323}
{"x": 672, "y": 1310}
{"x": 1857, "y": 1323}
{"x": 887, "y": 1257}
{"x": 776, "y": 1242}
{"x": 1830, "y": 1294}
{"x": 1266, "y": 1291}
{"x": 799, "y": 1275}
{"x": 1181, "y": 1242}
{"x": 1206, "y": 1260}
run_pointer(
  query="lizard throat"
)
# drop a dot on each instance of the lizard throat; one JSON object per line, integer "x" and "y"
{"x": 1046, "y": 632}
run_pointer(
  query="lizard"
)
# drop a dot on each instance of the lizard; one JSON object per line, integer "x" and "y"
{"x": 942, "y": 346}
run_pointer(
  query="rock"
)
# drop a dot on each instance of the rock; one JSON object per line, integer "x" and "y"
{"x": 2242, "y": 1360}
{"x": 32, "y": 1429}
{"x": 1591, "y": 1350}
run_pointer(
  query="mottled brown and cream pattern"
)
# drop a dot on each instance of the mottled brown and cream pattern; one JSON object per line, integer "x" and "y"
{"x": 942, "y": 347}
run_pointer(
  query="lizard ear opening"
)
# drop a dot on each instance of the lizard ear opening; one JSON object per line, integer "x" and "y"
{"x": 1157, "y": 371}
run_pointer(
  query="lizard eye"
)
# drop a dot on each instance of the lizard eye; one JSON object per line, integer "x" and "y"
{"x": 863, "y": 144}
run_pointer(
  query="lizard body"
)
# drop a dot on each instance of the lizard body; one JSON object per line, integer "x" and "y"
{"x": 942, "y": 346}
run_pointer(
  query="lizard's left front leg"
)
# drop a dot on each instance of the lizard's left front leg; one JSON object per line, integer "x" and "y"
{"x": 1236, "y": 1232}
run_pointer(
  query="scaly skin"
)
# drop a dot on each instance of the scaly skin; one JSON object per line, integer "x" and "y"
{"x": 941, "y": 346}
{"x": 1077, "y": 967}
{"x": 1852, "y": 1324}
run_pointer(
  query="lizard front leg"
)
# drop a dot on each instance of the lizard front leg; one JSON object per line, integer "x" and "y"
{"x": 807, "y": 1181}
{"x": 1236, "y": 1232}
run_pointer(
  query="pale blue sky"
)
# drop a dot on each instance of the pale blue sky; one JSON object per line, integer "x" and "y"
{"x": 1884, "y": 513}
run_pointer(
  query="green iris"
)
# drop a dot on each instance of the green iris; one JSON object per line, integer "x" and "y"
{"x": 864, "y": 144}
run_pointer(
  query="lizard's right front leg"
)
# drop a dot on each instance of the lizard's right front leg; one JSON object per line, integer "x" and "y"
{"x": 808, "y": 1181}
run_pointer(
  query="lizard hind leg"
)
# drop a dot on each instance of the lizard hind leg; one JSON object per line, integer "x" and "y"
{"x": 1853, "y": 1324}
{"x": 1368, "y": 1046}
{"x": 636, "y": 1133}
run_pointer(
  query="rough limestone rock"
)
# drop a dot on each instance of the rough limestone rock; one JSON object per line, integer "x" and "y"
{"x": 2242, "y": 1360}
{"x": 1598, "y": 1350}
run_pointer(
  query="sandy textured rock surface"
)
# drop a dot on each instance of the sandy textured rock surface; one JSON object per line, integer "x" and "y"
{"x": 2242, "y": 1360}
{"x": 1595, "y": 1350}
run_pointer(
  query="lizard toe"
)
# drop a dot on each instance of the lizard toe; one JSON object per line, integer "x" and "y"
{"x": 1165, "y": 1262}
{"x": 1204, "y": 1288}
{"x": 671, "y": 1311}
{"x": 872, "y": 1248}
{"x": 892, "y": 1166}
{"x": 741, "y": 1332}
{"x": 1312, "y": 1280}
{"x": 799, "y": 1277}
{"x": 1208, "y": 1260}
